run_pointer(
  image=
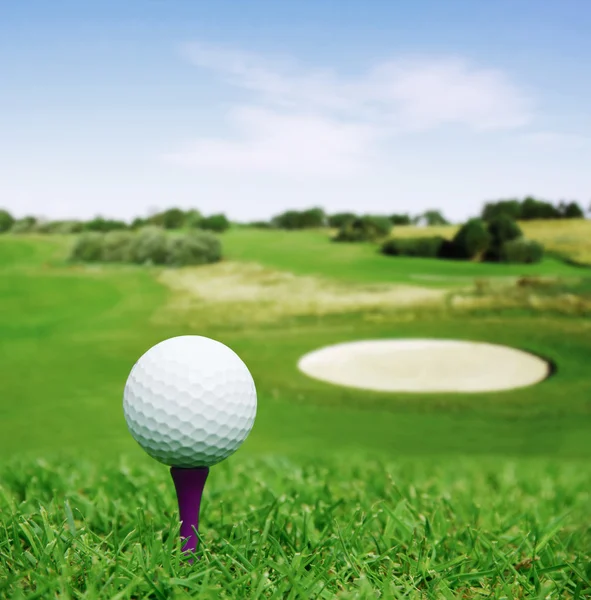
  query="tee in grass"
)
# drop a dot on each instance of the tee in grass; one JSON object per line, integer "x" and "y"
{"x": 321, "y": 529}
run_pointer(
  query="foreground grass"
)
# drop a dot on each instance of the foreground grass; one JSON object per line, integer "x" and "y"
{"x": 322, "y": 529}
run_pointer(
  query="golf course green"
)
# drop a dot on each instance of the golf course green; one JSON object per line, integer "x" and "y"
{"x": 420, "y": 495}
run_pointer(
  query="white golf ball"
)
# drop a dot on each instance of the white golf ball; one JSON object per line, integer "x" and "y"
{"x": 190, "y": 401}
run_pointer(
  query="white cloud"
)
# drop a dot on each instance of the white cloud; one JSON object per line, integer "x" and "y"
{"x": 316, "y": 123}
{"x": 285, "y": 144}
{"x": 554, "y": 140}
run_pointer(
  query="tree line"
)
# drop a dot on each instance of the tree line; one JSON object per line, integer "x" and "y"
{"x": 172, "y": 218}
{"x": 528, "y": 208}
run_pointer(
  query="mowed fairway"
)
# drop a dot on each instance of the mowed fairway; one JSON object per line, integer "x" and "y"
{"x": 336, "y": 491}
{"x": 310, "y": 252}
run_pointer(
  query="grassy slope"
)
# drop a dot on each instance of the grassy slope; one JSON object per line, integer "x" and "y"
{"x": 68, "y": 339}
{"x": 70, "y": 336}
{"x": 308, "y": 252}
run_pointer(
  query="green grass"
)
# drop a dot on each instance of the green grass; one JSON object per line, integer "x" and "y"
{"x": 307, "y": 252}
{"x": 339, "y": 491}
{"x": 71, "y": 334}
{"x": 279, "y": 529}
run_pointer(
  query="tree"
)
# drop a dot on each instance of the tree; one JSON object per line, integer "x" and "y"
{"x": 313, "y": 217}
{"x": 364, "y": 229}
{"x": 511, "y": 208}
{"x": 339, "y": 219}
{"x": 171, "y": 218}
{"x": 570, "y": 210}
{"x": 538, "y": 209}
{"x": 217, "y": 223}
{"x": 472, "y": 240}
{"x": 501, "y": 228}
{"x": 193, "y": 218}
{"x": 432, "y": 217}
{"x": 294, "y": 219}
{"x": 103, "y": 225}
{"x": 400, "y": 219}
{"x": 6, "y": 220}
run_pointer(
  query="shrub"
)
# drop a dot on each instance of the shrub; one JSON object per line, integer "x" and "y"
{"x": 431, "y": 217}
{"x": 400, "y": 219}
{"x": 570, "y": 210}
{"x": 172, "y": 218}
{"x": 294, "y": 219}
{"x": 538, "y": 209}
{"x": 521, "y": 250}
{"x": 364, "y": 229}
{"x": 339, "y": 219}
{"x": 192, "y": 218}
{"x": 139, "y": 222}
{"x": 260, "y": 225}
{"x": 426, "y": 247}
{"x": 117, "y": 246}
{"x": 194, "y": 248}
{"x": 511, "y": 208}
{"x": 472, "y": 240}
{"x": 502, "y": 228}
{"x": 63, "y": 227}
{"x": 218, "y": 223}
{"x": 149, "y": 246}
{"x": 531, "y": 208}
{"x": 24, "y": 225}
{"x": 6, "y": 220}
{"x": 88, "y": 247}
{"x": 100, "y": 224}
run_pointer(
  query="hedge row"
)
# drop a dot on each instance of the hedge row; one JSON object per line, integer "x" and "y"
{"x": 499, "y": 240}
{"x": 150, "y": 245}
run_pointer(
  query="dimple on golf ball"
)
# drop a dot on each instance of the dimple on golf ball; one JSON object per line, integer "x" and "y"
{"x": 190, "y": 401}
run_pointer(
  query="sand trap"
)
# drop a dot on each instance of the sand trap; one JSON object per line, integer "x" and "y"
{"x": 423, "y": 365}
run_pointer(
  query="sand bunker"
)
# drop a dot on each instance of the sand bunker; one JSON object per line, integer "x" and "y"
{"x": 423, "y": 365}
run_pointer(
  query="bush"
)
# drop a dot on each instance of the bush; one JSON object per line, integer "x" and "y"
{"x": 139, "y": 222}
{"x": 24, "y": 225}
{"x": 172, "y": 218}
{"x": 150, "y": 246}
{"x": 104, "y": 225}
{"x": 6, "y": 220}
{"x": 60, "y": 227}
{"x": 511, "y": 208}
{"x": 502, "y": 228}
{"x": 194, "y": 248}
{"x": 217, "y": 223}
{"x": 570, "y": 210}
{"x": 88, "y": 247}
{"x": 260, "y": 225}
{"x": 521, "y": 250}
{"x": 472, "y": 240}
{"x": 364, "y": 229}
{"x": 531, "y": 208}
{"x": 400, "y": 219}
{"x": 339, "y": 219}
{"x": 117, "y": 246}
{"x": 305, "y": 219}
{"x": 192, "y": 218}
{"x": 538, "y": 209}
{"x": 431, "y": 218}
{"x": 426, "y": 247}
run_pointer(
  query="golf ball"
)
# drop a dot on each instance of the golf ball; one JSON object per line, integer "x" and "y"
{"x": 190, "y": 401}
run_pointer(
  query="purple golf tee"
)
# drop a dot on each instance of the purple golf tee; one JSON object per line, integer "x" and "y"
{"x": 189, "y": 484}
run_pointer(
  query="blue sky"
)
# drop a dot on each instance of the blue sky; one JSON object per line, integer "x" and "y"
{"x": 121, "y": 108}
